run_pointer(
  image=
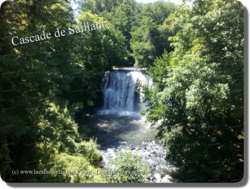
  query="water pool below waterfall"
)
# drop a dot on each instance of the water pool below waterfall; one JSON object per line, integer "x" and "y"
{"x": 113, "y": 131}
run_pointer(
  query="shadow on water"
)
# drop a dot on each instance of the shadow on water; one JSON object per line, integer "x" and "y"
{"x": 114, "y": 131}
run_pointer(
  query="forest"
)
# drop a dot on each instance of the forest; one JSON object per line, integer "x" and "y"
{"x": 193, "y": 52}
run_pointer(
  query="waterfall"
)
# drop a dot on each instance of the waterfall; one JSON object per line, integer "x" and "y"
{"x": 122, "y": 94}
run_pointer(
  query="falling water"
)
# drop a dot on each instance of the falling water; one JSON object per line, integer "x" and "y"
{"x": 122, "y": 92}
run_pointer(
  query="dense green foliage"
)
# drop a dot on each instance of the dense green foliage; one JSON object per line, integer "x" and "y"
{"x": 198, "y": 93}
{"x": 148, "y": 39}
{"x": 127, "y": 168}
{"x": 140, "y": 24}
{"x": 44, "y": 83}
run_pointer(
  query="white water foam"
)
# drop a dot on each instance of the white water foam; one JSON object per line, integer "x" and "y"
{"x": 122, "y": 93}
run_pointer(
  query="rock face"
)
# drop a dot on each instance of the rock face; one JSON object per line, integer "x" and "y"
{"x": 152, "y": 154}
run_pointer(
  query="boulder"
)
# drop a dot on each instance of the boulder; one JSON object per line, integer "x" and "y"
{"x": 157, "y": 177}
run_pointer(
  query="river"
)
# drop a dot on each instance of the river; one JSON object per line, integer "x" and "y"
{"x": 119, "y": 124}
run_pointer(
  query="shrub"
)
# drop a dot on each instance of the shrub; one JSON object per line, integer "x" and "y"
{"x": 127, "y": 167}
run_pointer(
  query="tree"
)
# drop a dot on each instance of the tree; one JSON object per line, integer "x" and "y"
{"x": 158, "y": 11}
{"x": 35, "y": 115}
{"x": 149, "y": 39}
{"x": 198, "y": 93}
{"x": 124, "y": 18}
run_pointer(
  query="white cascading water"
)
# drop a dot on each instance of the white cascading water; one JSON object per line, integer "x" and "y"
{"x": 122, "y": 94}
